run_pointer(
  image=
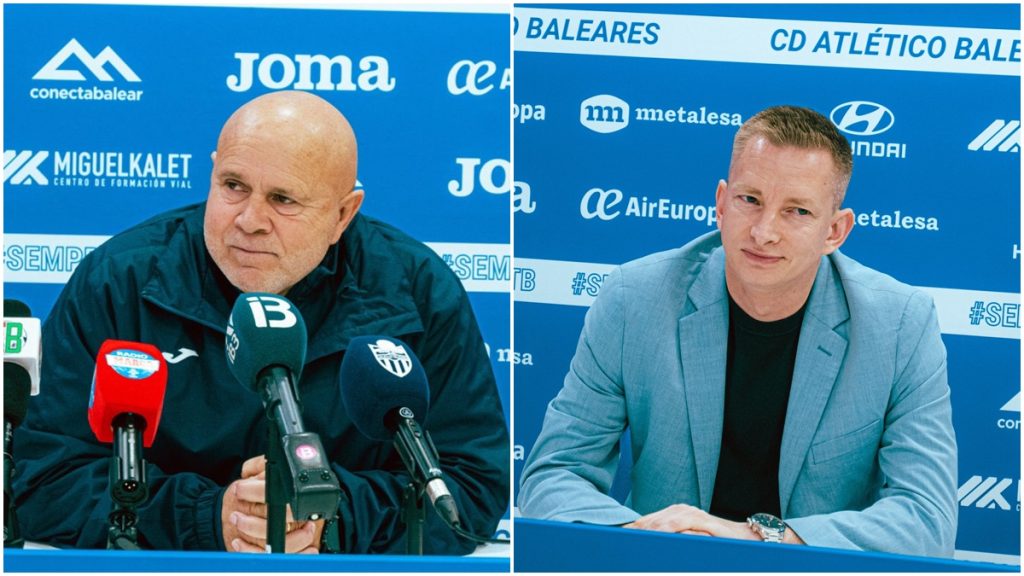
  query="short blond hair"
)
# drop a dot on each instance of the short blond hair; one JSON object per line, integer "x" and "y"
{"x": 802, "y": 128}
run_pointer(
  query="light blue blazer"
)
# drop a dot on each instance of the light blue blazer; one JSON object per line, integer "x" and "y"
{"x": 868, "y": 457}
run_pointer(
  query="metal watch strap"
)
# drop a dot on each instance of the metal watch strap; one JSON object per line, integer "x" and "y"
{"x": 761, "y": 523}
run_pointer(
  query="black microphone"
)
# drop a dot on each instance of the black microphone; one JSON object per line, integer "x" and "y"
{"x": 266, "y": 348}
{"x": 21, "y": 378}
{"x": 17, "y": 385}
{"x": 384, "y": 389}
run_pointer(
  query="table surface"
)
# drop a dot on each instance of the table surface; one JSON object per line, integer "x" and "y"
{"x": 543, "y": 546}
{"x": 53, "y": 560}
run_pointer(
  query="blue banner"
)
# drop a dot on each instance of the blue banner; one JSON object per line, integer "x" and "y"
{"x": 624, "y": 120}
{"x": 111, "y": 114}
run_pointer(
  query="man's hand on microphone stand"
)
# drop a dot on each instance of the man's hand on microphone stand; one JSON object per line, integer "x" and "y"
{"x": 244, "y": 516}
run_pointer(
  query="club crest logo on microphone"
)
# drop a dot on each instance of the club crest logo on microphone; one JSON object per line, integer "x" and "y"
{"x": 392, "y": 357}
{"x": 132, "y": 364}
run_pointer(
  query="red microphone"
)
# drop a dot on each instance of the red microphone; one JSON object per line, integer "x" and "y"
{"x": 130, "y": 378}
{"x": 126, "y": 401}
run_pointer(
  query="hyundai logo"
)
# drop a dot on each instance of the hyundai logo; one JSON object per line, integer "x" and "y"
{"x": 862, "y": 118}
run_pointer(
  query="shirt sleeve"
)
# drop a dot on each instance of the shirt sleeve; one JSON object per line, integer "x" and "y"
{"x": 577, "y": 451}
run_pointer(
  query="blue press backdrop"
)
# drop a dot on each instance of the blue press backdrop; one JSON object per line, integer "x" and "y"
{"x": 101, "y": 87}
{"x": 624, "y": 119}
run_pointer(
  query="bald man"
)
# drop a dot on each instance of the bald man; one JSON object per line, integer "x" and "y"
{"x": 281, "y": 216}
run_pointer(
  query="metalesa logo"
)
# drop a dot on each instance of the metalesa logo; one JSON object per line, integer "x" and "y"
{"x": 862, "y": 118}
{"x": 604, "y": 113}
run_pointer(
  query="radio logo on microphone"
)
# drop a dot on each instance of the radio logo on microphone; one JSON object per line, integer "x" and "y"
{"x": 133, "y": 364}
{"x": 391, "y": 357}
{"x": 14, "y": 337}
{"x": 262, "y": 305}
{"x": 231, "y": 340}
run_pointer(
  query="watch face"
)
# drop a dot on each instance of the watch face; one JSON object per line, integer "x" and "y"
{"x": 768, "y": 521}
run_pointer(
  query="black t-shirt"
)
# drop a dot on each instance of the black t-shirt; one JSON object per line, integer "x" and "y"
{"x": 759, "y": 371}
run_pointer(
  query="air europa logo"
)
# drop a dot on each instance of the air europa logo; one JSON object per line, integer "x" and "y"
{"x": 604, "y": 113}
{"x": 862, "y": 118}
{"x": 477, "y": 78}
{"x": 605, "y": 205}
{"x": 597, "y": 203}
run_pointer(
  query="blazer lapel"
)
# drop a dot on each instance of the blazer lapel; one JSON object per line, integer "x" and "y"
{"x": 703, "y": 337}
{"x": 820, "y": 353}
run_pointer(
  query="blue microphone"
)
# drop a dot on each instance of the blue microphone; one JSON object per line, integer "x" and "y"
{"x": 266, "y": 349}
{"x": 384, "y": 390}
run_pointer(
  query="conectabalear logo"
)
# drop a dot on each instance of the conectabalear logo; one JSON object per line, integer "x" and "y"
{"x": 54, "y": 70}
{"x": 95, "y": 64}
{"x": 1012, "y": 405}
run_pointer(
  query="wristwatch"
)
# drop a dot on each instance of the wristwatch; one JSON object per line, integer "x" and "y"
{"x": 768, "y": 527}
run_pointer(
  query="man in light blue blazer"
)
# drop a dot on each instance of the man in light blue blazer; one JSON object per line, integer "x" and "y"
{"x": 773, "y": 388}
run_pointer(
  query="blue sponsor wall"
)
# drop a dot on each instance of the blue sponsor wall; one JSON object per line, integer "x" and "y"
{"x": 137, "y": 96}
{"x": 624, "y": 119}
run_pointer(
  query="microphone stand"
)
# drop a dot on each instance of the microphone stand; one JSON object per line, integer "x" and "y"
{"x": 276, "y": 490}
{"x": 297, "y": 470}
{"x": 12, "y": 532}
{"x": 413, "y": 515}
{"x": 128, "y": 486}
{"x": 418, "y": 453}
{"x": 410, "y": 447}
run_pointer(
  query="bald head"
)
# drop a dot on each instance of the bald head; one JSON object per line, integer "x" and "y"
{"x": 281, "y": 190}
{"x": 306, "y": 128}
